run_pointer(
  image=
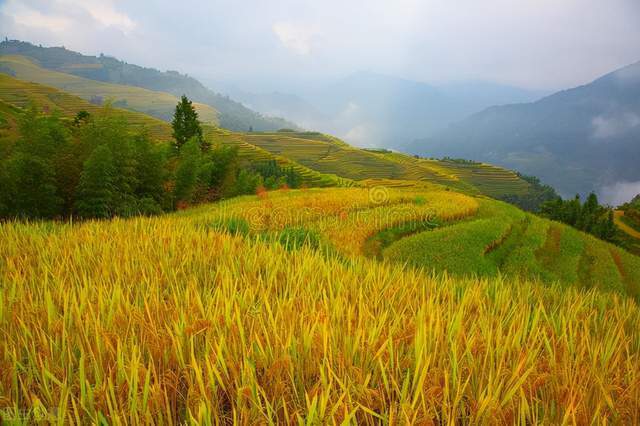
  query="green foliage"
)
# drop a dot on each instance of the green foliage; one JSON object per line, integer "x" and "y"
{"x": 589, "y": 217}
{"x": 534, "y": 198}
{"x": 81, "y": 118}
{"x": 32, "y": 179}
{"x": 247, "y": 182}
{"x": 96, "y": 166}
{"x": 275, "y": 176}
{"x": 186, "y": 125}
{"x": 188, "y": 172}
{"x": 97, "y": 189}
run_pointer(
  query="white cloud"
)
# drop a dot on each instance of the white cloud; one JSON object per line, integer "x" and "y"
{"x": 608, "y": 126}
{"x": 362, "y": 135}
{"x": 103, "y": 12}
{"x": 65, "y": 15}
{"x": 297, "y": 38}
{"x": 619, "y": 192}
{"x": 28, "y": 17}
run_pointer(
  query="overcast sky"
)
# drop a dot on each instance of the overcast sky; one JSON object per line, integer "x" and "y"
{"x": 266, "y": 44}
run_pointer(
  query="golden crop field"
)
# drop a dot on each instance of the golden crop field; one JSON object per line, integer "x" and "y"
{"x": 209, "y": 316}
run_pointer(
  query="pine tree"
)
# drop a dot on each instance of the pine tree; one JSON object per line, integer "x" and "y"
{"x": 186, "y": 125}
{"x": 97, "y": 191}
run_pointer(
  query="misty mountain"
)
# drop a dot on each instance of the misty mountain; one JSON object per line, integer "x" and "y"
{"x": 370, "y": 109}
{"x": 232, "y": 114}
{"x": 279, "y": 104}
{"x": 578, "y": 140}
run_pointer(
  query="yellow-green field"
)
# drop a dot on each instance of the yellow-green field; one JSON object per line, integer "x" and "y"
{"x": 213, "y": 315}
{"x": 157, "y": 104}
{"x": 21, "y": 94}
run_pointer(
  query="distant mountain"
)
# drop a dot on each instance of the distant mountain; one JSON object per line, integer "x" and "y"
{"x": 279, "y": 104}
{"x": 232, "y": 115}
{"x": 578, "y": 140}
{"x": 370, "y": 109}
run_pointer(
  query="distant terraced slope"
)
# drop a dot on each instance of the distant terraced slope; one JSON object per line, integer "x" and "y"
{"x": 20, "y": 94}
{"x": 322, "y": 160}
{"x": 17, "y": 94}
{"x": 157, "y": 104}
{"x": 330, "y": 155}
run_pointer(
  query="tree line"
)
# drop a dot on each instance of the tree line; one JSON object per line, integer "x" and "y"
{"x": 589, "y": 216}
{"x": 95, "y": 166}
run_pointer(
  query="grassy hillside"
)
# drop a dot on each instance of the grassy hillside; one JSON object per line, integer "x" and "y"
{"x": 17, "y": 94}
{"x": 157, "y": 104}
{"x": 231, "y": 114}
{"x": 291, "y": 324}
{"x": 503, "y": 239}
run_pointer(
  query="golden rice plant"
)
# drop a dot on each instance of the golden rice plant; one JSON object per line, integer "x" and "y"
{"x": 161, "y": 320}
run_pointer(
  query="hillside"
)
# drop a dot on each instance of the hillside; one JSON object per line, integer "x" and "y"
{"x": 402, "y": 294}
{"x": 292, "y": 324}
{"x": 579, "y": 140}
{"x": 231, "y": 115}
{"x": 322, "y": 160}
{"x": 20, "y": 94}
{"x": 157, "y": 104}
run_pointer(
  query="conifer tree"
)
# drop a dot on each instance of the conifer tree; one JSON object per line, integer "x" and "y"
{"x": 185, "y": 124}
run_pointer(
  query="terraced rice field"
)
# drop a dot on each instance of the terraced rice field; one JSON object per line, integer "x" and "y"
{"x": 331, "y": 156}
{"x": 22, "y": 94}
{"x": 504, "y": 240}
{"x": 157, "y": 104}
{"x": 202, "y": 319}
{"x": 327, "y": 156}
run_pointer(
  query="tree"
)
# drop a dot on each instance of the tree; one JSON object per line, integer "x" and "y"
{"x": 187, "y": 173}
{"x": 186, "y": 125}
{"x": 97, "y": 190}
{"x": 151, "y": 169}
{"x": 35, "y": 193}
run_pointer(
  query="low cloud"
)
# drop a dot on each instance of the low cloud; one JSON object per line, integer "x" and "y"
{"x": 297, "y": 38}
{"x": 619, "y": 192}
{"x": 362, "y": 135}
{"x": 609, "y": 126}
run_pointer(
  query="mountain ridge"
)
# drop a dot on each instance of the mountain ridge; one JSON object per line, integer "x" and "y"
{"x": 578, "y": 140}
{"x": 233, "y": 115}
